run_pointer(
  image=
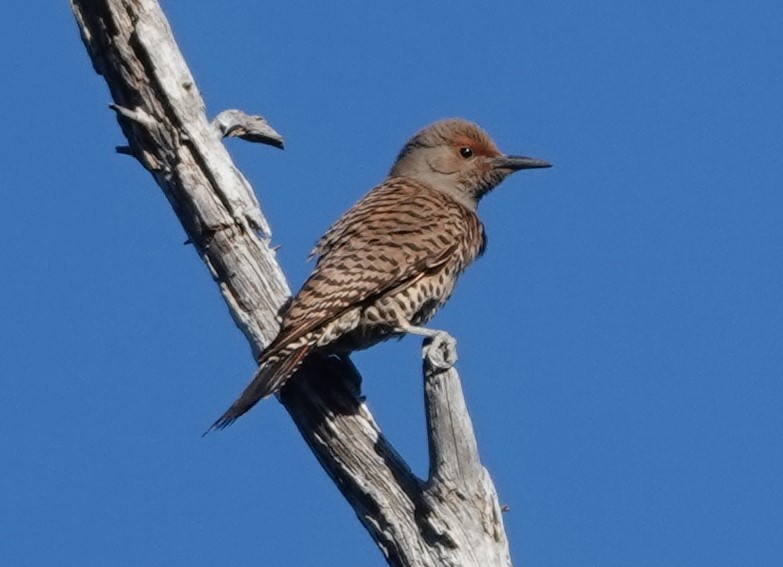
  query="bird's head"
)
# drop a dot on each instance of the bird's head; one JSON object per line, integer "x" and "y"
{"x": 457, "y": 157}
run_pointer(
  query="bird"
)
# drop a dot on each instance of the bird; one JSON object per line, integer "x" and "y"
{"x": 386, "y": 266}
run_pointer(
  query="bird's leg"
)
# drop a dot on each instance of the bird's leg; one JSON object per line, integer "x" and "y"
{"x": 441, "y": 349}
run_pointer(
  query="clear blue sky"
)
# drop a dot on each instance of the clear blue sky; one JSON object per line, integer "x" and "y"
{"x": 620, "y": 342}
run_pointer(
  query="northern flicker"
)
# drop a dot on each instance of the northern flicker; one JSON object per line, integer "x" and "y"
{"x": 391, "y": 261}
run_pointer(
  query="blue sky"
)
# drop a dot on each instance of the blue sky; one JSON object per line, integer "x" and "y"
{"x": 620, "y": 342}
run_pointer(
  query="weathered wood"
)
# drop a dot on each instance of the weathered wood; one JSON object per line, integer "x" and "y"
{"x": 460, "y": 499}
{"x": 235, "y": 123}
{"x": 451, "y": 519}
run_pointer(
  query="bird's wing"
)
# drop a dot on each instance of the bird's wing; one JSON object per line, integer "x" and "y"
{"x": 398, "y": 232}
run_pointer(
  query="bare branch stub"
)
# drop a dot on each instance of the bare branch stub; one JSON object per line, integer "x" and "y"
{"x": 453, "y": 448}
{"x": 459, "y": 501}
{"x": 236, "y": 123}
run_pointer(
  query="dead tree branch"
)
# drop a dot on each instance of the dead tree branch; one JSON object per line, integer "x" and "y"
{"x": 451, "y": 519}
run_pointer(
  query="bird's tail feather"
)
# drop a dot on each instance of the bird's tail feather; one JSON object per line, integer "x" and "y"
{"x": 267, "y": 380}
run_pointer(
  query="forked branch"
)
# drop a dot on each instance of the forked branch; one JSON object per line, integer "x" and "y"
{"x": 452, "y": 518}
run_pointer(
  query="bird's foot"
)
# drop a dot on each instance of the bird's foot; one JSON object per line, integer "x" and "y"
{"x": 440, "y": 351}
{"x": 440, "y": 348}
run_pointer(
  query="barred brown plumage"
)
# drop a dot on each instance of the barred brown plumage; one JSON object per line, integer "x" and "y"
{"x": 392, "y": 260}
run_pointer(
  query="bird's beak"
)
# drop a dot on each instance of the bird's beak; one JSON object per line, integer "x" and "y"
{"x": 515, "y": 163}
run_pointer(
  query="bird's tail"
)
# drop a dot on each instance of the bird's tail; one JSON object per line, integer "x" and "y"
{"x": 268, "y": 379}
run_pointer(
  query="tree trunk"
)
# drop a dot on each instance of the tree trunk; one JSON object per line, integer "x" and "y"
{"x": 453, "y": 517}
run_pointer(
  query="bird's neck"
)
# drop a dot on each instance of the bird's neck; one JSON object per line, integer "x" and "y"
{"x": 448, "y": 186}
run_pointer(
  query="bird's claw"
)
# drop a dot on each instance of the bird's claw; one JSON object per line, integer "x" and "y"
{"x": 441, "y": 351}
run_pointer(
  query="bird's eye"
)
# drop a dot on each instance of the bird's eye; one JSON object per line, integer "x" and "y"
{"x": 466, "y": 152}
